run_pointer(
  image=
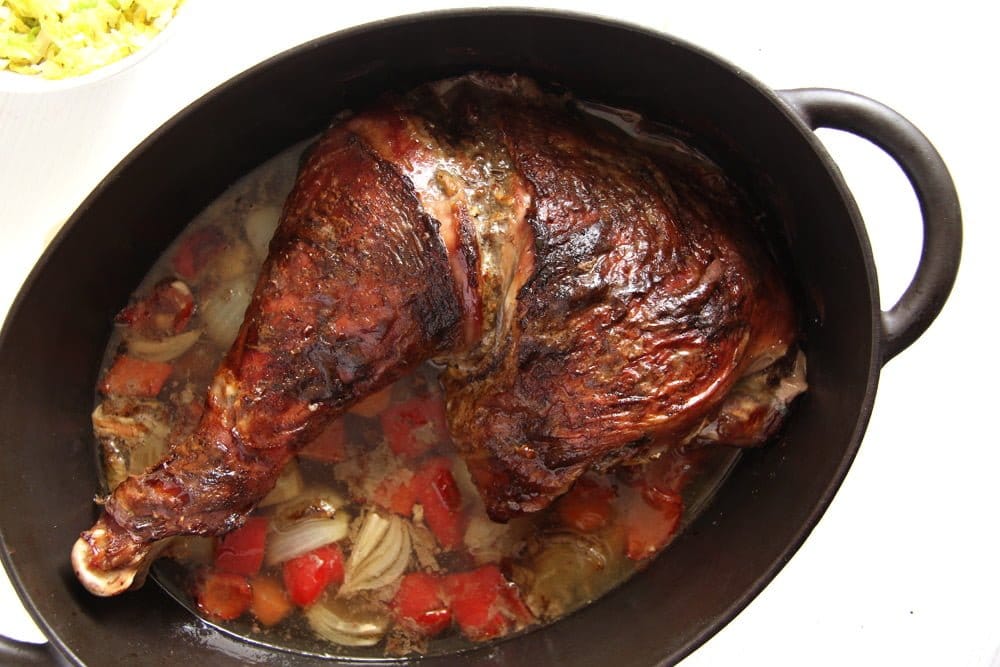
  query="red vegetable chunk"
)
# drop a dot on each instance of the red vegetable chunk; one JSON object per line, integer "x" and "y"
{"x": 308, "y": 575}
{"x": 438, "y": 494}
{"x": 165, "y": 311}
{"x": 420, "y": 606}
{"x": 651, "y": 521}
{"x": 197, "y": 250}
{"x": 413, "y": 427}
{"x": 397, "y": 492}
{"x": 138, "y": 378}
{"x": 224, "y": 595}
{"x": 242, "y": 550}
{"x": 484, "y": 604}
{"x": 587, "y": 506}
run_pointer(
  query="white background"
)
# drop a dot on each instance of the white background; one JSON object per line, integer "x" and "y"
{"x": 904, "y": 568}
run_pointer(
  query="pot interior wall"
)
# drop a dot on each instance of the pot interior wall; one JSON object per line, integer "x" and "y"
{"x": 55, "y": 335}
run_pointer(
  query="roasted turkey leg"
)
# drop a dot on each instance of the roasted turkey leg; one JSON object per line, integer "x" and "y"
{"x": 589, "y": 302}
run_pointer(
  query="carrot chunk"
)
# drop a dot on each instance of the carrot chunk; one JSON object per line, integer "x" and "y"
{"x": 397, "y": 492}
{"x": 270, "y": 603}
{"x": 224, "y": 595}
{"x": 129, "y": 376}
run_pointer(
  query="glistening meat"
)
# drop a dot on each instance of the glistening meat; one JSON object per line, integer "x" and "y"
{"x": 589, "y": 302}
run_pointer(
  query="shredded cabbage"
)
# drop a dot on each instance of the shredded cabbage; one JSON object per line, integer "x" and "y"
{"x": 56, "y": 39}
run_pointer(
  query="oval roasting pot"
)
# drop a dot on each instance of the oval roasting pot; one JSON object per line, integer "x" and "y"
{"x": 55, "y": 334}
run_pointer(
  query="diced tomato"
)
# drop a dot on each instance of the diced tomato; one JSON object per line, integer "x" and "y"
{"x": 650, "y": 521}
{"x": 242, "y": 551}
{"x": 224, "y": 595}
{"x": 165, "y": 311}
{"x": 415, "y": 426}
{"x": 270, "y": 604}
{"x": 129, "y": 376}
{"x": 654, "y": 504}
{"x": 441, "y": 500}
{"x": 196, "y": 250}
{"x": 330, "y": 446}
{"x": 397, "y": 492}
{"x": 419, "y": 604}
{"x": 587, "y": 506}
{"x": 484, "y": 603}
{"x": 400, "y": 488}
{"x": 374, "y": 404}
{"x": 309, "y": 574}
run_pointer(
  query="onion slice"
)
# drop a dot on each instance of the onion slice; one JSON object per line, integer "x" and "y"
{"x": 332, "y": 620}
{"x": 132, "y": 436}
{"x": 313, "y": 519}
{"x": 223, "y": 312}
{"x": 313, "y": 503}
{"x": 260, "y": 225}
{"x": 303, "y": 536}
{"x": 164, "y": 349}
{"x": 288, "y": 486}
{"x": 380, "y": 555}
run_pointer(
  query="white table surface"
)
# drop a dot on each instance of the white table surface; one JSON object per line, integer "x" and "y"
{"x": 904, "y": 568}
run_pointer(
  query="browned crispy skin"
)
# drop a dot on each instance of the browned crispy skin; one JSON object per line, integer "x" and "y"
{"x": 587, "y": 298}
{"x": 646, "y": 304}
{"x": 356, "y": 290}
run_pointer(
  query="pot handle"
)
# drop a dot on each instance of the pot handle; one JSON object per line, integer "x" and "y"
{"x": 942, "y": 246}
{"x": 13, "y": 652}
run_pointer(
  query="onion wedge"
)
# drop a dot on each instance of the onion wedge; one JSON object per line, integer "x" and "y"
{"x": 304, "y": 536}
{"x": 288, "y": 486}
{"x": 164, "y": 349}
{"x": 379, "y": 556}
{"x": 332, "y": 620}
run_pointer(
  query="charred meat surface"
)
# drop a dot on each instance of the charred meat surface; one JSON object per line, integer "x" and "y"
{"x": 587, "y": 299}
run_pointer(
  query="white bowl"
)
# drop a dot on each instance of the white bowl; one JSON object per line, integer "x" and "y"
{"x": 12, "y": 82}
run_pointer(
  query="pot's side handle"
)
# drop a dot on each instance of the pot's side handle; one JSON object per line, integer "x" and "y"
{"x": 939, "y": 258}
{"x": 13, "y": 653}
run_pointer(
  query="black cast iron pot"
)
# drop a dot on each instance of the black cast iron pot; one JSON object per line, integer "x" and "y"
{"x": 55, "y": 334}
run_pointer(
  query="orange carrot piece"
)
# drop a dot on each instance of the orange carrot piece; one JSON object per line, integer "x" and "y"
{"x": 129, "y": 376}
{"x": 270, "y": 603}
{"x": 397, "y": 492}
{"x": 224, "y": 595}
